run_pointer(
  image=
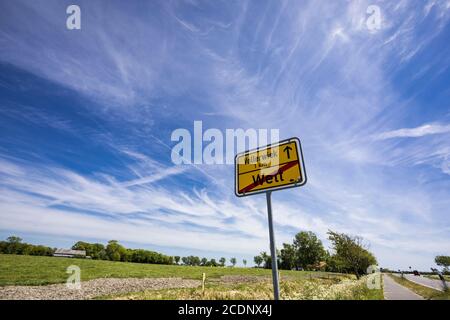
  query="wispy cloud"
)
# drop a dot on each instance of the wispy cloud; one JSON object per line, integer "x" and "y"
{"x": 66, "y": 196}
{"x": 424, "y": 130}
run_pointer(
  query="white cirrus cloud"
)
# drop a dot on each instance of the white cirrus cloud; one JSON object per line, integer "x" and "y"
{"x": 424, "y": 130}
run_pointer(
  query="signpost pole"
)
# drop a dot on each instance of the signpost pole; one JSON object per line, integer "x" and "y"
{"x": 273, "y": 252}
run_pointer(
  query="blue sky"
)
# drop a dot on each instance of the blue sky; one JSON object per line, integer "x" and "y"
{"x": 86, "y": 118}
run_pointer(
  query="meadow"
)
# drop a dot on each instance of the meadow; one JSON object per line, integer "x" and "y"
{"x": 221, "y": 283}
{"x": 39, "y": 270}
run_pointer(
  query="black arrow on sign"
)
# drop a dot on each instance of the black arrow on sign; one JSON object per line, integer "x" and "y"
{"x": 287, "y": 149}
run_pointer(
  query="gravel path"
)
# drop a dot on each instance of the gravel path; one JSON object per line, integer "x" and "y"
{"x": 93, "y": 288}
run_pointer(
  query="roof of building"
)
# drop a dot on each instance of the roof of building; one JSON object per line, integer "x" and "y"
{"x": 71, "y": 252}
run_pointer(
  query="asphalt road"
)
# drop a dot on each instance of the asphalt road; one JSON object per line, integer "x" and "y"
{"x": 394, "y": 291}
{"x": 435, "y": 284}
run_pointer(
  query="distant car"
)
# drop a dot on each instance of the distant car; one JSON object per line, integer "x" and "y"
{"x": 416, "y": 273}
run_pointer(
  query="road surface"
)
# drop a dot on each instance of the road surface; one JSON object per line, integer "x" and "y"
{"x": 395, "y": 291}
{"x": 432, "y": 283}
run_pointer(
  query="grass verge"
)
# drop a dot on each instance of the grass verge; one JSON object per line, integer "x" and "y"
{"x": 302, "y": 289}
{"x": 426, "y": 292}
{"x": 436, "y": 277}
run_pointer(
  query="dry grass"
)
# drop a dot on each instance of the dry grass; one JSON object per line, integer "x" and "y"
{"x": 305, "y": 289}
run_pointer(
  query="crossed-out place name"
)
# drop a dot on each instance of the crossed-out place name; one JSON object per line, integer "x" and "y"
{"x": 277, "y": 176}
{"x": 259, "y": 180}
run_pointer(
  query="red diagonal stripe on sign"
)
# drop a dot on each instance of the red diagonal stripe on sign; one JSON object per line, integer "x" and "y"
{"x": 280, "y": 170}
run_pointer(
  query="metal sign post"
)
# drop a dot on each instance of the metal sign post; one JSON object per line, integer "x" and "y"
{"x": 273, "y": 250}
{"x": 274, "y": 167}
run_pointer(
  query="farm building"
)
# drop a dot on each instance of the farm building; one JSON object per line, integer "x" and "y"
{"x": 68, "y": 253}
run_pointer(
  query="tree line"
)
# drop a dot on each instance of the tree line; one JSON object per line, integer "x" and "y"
{"x": 116, "y": 252}
{"x": 306, "y": 252}
{"x": 197, "y": 261}
{"x": 113, "y": 251}
{"x": 14, "y": 245}
{"x": 348, "y": 254}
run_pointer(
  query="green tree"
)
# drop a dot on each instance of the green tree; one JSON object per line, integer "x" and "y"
{"x": 258, "y": 260}
{"x": 3, "y": 247}
{"x": 443, "y": 261}
{"x": 14, "y": 239}
{"x": 233, "y": 261}
{"x": 40, "y": 251}
{"x": 309, "y": 249}
{"x": 195, "y": 261}
{"x": 92, "y": 249}
{"x": 267, "y": 259}
{"x": 222, "y": 261}
{"x": 191, "y": 261}
{"x": 102, "y": 255}
{"x": 15, "y": 245}
{"x": 213, "y": 262}
{"x": 244, "y": 262}
{"x": 115, "y": 251}
{"x": 81, "y": 245}
{"x": 95, "y": 249}
{"x": 350, "y": 253}
{"x": 177, "y": 259}
{"x": 288, "y": 257}
{"x": 335, "y": 264}
{"x": 203, "y": 262}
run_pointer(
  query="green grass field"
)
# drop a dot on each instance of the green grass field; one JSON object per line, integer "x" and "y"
{"x": 36, "y": 270}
